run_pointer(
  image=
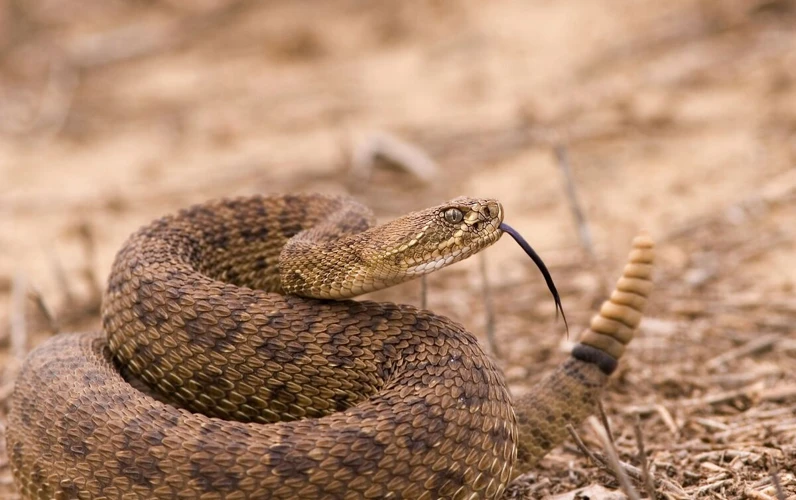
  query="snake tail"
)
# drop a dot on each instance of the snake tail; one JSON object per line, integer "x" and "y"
{"x": 572, "y": 391}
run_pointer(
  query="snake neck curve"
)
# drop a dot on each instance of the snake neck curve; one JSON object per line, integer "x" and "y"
{"x": 322, "y": 262}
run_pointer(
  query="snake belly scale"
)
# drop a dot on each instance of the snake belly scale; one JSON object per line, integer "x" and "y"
{"x": 215, "y": 379}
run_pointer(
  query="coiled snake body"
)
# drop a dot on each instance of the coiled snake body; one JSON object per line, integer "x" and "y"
{"x": 272, "y": 395}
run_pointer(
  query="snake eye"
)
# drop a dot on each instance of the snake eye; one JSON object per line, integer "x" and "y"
{"x": 453, "y": 215}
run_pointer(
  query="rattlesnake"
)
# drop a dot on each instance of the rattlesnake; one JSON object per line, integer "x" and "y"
{"x": 299, "y": 397}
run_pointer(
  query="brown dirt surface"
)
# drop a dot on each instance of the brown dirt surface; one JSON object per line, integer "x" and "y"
{"x": 677, "y": 117}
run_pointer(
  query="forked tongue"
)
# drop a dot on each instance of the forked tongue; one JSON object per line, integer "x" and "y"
{"x": 540, "y": 264}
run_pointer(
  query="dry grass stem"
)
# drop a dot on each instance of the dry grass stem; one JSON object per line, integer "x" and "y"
{"x": 613, "y": 459}
{"x": 667, "y": 418}
{"x": 57, "y": 99}
{"x": 604, "y": 421}
{"x": 489, "y": 307}
{"x": 777, "y": 485}
{"x": 583, "y": 448}
{"x": 19, "y": 326}
{"x": 712, "y": 424}
{"x": 757, "y": 495}
{"x": 44, "y": 310}
{"x": 3, "y": 456}
{"x": 140, "y": 39}
{"x": 87, "y": 238}
{"x": 584, "y": 231}
{"x": 751, "y": 392}
{"x": 61, "y": 279}
{"x": 601, "y": 461}
{"x": 782, "y": 392}
{"x": 646, "y": 476}
{"x": 5, "y": 392}
{"x": 712, "y": 486}
{"x": 126, "y": 42}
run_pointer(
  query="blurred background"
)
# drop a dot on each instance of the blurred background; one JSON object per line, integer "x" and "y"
{"x": 676, "y": 117}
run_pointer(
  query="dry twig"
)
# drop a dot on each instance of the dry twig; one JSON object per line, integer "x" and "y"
{"x": 753, "y": 346}
{"x": 397, "y": 152}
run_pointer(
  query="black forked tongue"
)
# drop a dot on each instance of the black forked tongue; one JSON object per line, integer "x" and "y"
{"x": 540, "y": 264}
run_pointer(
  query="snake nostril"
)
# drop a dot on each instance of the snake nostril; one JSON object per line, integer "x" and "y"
{"x": 493, "y": 209}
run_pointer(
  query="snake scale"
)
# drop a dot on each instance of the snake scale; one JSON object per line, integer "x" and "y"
{"x": 272, "y": 394}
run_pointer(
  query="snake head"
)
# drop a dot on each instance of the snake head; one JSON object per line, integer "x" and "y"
{"x": 323, "y": 264}
{"x": 433, "y": 238}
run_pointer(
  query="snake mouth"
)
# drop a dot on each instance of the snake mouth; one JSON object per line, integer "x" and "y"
{"x": 539, "y": 264}
{"x": 439, "y": 263}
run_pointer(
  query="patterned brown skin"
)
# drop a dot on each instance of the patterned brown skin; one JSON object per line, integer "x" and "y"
{"x": 319, "y": 398}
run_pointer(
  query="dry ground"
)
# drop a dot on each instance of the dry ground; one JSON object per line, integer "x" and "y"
{"x": 678, "y": 117}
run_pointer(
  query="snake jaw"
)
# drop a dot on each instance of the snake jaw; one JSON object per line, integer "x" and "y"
{"x": 438, "y": 263}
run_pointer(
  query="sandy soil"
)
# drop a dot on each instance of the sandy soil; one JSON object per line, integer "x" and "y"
{"x": 677, "y": 117}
